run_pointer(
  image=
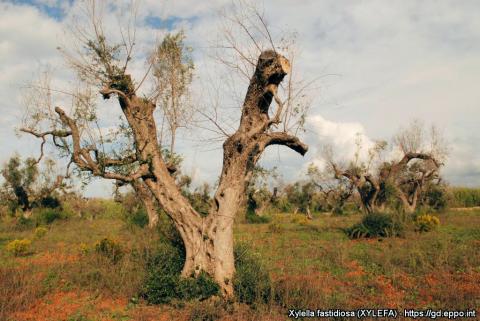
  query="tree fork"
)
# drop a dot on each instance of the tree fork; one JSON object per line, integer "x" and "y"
{"x": 208, "y": 240}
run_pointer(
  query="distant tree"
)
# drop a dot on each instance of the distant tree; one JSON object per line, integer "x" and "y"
{"x": 417, "y": 158}
{"x": 334, "y": 192}
{"x": 259, "y": 196}
{"x": 300, "y": 195}
{"x": 424, "y": 152}
{"x": 27, "y": 187}
{"x": 200, "y": 198}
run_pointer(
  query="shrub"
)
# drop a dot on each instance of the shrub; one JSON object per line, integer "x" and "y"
{"x": 48, "y": 216}
{"x": 110, "y": 249}
{"x": 338, "y": 211}
{"x": 164, "y": 283}
{"x": 83, "y": 248}
{"x": 426, "y": 223}
{"x": 206, "y": 311}
{"x": 25, "y": 223}
{"x": 376, "y": 225}
{"x": 19, "y": 247}
{"x": 275, "y": 228}
{"x": 253, "y": 218}
{"x": 252, "y": 282}
{"x": 139, "y": 218}
{"x": 284, "y": 205}
{"x": 300, "y": 219}
{"x": 40, "y": 232}
{"x": 436, "y": 197}
{"x": 50, "y": 202}
{"x": 201, "y": 287}
{"x": 160, "y": 288}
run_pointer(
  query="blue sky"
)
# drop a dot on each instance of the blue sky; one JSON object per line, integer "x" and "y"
{"x": 381, "y": 64}
{"x": 54, "y": 9}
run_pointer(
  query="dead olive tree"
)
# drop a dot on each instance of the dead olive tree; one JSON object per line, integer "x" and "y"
{"x": 424, "y": 152}
{"x": 335, "y": 192}
{"x": 208, "y": 240}
{"x": 362, "y": 174}
{"x": 415, "y": 160}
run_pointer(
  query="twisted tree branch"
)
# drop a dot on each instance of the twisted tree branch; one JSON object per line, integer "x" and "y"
{"x": 290, "y": 141}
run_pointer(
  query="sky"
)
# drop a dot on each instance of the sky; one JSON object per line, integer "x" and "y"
{"x": 378, "y": 65}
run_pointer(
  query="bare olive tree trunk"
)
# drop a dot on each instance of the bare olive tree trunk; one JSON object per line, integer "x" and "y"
{"x": 148, "y": 201}
{"x": 372, "y": 189}
{"x": 208, "y": 240}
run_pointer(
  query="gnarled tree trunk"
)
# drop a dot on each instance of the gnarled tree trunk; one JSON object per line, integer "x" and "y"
{"x": 208, "y": 240}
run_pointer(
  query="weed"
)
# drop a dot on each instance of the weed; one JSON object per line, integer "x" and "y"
{"x": 18, "y": 289}
{"x": 376, "y": 225}
{"x": 24, "y": 223}
{"x": 252, "y": 218}
{"x": 307, "y": 267}
{"x": 139, "y": 218}
{"x": 40, "y": 232}
{"x": 164, "y": 283}
{"x": 252, "y": 282}
{"x": 426, "y": 223}
{"x": 110, "y": 249}
{"x": 84, "y": 248}
{"x": 275, "y": 228}
{"x": 19, "y": 247}
{"x": 78, "y": 317}
{"x": 304, "y": 291}
{"x": 205, "y": 311}
{"x": 48, "y": 216}
{"x": 300, "y": 219}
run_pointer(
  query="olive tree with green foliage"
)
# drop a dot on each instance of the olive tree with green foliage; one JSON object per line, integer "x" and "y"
{"x": 172, "y": 67}
{"x": 26, "y": 186}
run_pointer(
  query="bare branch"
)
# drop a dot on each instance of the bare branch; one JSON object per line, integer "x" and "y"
{"x": 106, "y": 92}
{"x": 82, "y": 158}
{"x": 290, "y": 141}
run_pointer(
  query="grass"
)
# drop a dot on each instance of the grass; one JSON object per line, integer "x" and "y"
{"x": 312, "y": 265}
{"x": 465, "y": 197}
{"x": 375, "y": 272}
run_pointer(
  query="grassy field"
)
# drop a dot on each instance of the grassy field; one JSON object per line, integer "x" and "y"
{"x": 312, "y": 264}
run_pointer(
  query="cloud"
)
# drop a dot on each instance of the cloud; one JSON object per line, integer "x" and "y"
{"x": 342, "y": 137}
{"x": 23, "y": 46}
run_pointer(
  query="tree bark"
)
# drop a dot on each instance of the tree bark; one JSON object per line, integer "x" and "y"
{"x": 142, "y": 191}
{"x": 208, "y": 240}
